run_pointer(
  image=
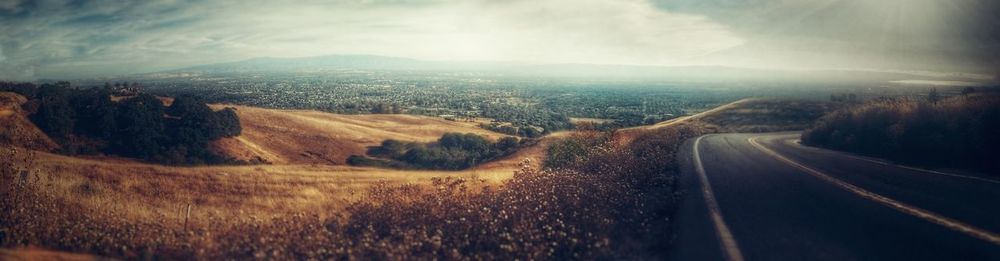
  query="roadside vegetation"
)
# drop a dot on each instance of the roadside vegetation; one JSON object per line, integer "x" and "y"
{"x": 955, "y": 132}
{"x": 88, "y": 122}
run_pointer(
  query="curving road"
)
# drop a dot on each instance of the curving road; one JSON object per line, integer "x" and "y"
{"x": 765, "y": 197}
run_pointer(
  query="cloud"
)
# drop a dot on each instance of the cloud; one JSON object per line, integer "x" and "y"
{"x": 76, "y": 38}
{"x": 914, "y": 34}
{"x": 84, "y": 38}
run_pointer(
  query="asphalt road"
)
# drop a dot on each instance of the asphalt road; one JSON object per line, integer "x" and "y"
{"x": 765, "y": 197}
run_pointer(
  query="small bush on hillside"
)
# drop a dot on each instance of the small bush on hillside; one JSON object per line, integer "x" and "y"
{"x": 957, "y": 132}
{"x": 566, "y": 152}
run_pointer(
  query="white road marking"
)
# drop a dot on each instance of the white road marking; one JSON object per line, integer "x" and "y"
{"x": 730, "y": 249}
{"x": 902, "y": 207}
{"x": 798, "y": 142}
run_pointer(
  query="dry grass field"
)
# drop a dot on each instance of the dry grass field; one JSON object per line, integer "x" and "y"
{"x": 306, "y": 173}
{"x": 312, "y": 137}
{"x": 127, "y": 209}
{"x": 306, "y": 150}
{"x": 139, "y": 211}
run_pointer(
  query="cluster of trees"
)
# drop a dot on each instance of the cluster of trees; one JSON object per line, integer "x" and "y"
{"x": 957, "y": 132}
{"x": 87, "y": 121}
{"x": 453, "y": 151}
{"x": 385, "y": 108}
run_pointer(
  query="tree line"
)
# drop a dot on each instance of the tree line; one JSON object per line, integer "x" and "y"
{"x": 88, "y": 121}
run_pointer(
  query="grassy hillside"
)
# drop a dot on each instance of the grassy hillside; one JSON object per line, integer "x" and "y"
{"x": 957, "y": 132}
{"x": 17, "y": 130}
{"x": 312, "y": 137}
{"x": 266, "y": 210}
{"x": 613, "y": 200}
{"x": 72, "y": 204}
{"x": 306, "y": 148}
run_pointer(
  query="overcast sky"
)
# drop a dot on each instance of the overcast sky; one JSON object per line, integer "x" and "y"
{"x": 70, "y": 39}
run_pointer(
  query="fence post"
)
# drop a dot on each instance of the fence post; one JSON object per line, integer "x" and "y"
{"x": 186, "y": 217}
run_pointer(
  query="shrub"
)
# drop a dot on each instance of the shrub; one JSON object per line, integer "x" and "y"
{"x": 955, "y": 132}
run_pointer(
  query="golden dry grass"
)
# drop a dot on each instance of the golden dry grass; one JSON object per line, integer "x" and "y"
{"x": 17, "y": 130}
{"x": 152, "y": 192}
{"x": 156, "y": 197}
{"x": 133, "y": 210}
{"x": 313, "y": 137}
{"x": 308, "y": 176}
{"x": 299, "y": 181}
{"x": 307, "y": 148}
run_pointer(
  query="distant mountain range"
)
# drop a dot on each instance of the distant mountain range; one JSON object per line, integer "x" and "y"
{"x": 319, "y": 64}
{"x": 271, "y": 64}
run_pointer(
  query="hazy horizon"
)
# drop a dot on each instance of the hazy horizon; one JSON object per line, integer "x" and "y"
{"x": 75, "y": 39}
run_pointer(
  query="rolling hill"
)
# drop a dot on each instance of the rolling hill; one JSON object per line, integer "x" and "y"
{"x": 313, "y": 137}
{"x": 306, "y": 174}
{"x": 17, "y": 129}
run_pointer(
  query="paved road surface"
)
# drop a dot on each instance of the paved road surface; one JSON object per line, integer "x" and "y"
{"x": 765, "y": 197}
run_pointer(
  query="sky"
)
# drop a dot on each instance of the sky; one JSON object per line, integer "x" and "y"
{"x": 64, "y": 39}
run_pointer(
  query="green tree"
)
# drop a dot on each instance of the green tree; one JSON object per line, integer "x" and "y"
{"x": 227, "y": 123}
{"x": 507, "y": 143}
{"x": 55, "y": 116}
{"x": 140, "y": 127}
{"x": 96, "y": 113}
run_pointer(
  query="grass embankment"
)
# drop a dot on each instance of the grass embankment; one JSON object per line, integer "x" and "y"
{"x": 957, "y": 132}
{"x": 612, "y": 202}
